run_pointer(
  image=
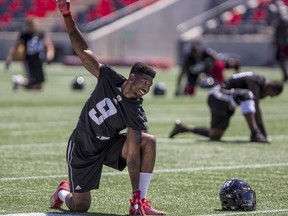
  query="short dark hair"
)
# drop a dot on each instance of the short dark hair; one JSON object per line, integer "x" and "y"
{"x": 142, "y": 68}
{"x": 277, "y": 86}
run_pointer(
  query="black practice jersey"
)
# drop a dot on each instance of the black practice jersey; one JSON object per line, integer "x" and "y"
{"x": 208, "y": 54}
{"x": 34, "y": 46}
{"x": 107, "y": 111}
{"x": 241, "y": 80}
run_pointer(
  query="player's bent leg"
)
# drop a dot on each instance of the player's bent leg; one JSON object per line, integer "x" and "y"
{"x": 178, "y": 128}
{"x": 148, "y": 152}
{"x": 215, "y": 134}
{"x": 148, "y": 156}
{"x": 79, "y": 202}
{"x": 34, "y": 87}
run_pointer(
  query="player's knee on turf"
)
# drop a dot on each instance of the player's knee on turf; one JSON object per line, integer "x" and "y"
{"x": 216, "y": 134}
{"x": 148, "y": 141}
{"x": 79, "y": 203}
{"x": 80, "y": 207}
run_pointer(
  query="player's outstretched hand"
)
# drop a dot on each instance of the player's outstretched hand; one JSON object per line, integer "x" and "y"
{"x": 138, "y": 207}
{"x": 64, "y": 7}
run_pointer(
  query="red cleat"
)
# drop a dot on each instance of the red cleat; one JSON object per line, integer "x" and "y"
{"x": 55, "y": 201}
{"x": 148, "y": 209}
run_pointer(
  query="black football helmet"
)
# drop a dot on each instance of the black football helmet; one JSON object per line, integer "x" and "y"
{"x": 78, "y": 83}
{"x": 237, "y": 195}
{"x": 159, "y": 89}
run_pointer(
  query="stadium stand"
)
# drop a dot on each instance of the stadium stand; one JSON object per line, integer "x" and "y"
{"x": 244, "y": 17}
{"x": 246, "y": 28}
{"x": 251, "y": 18}
{"x": 13, "y": 12}
{"x": 89, "y": 16}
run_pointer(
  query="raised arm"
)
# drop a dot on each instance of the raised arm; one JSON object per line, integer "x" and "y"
{"x": 78, "y": 42}
{"x": 12, "y": 52}
{"x": 49, "y": 48}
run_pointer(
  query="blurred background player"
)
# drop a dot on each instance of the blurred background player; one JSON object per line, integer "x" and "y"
{"x": 38, "y": 48}
{"x": 217, "y": 73}
{"x": 198, "y": 59}
{"x": 207, "y": 62}
{"x": 244, "y": 89}
{"x": 230, "y": 61}
{"x": 281, "y": 44}
{"x": 114, "y": 105}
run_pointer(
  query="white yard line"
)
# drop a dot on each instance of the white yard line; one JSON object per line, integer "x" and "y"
{"x": 193, "y": 139}
{"x": 248, "y": 166}
{"x": 226, "y": 214}
{"x": 248, "y": 213}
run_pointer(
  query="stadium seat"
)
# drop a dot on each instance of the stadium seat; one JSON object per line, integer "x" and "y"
{"x": 16, "y": 11}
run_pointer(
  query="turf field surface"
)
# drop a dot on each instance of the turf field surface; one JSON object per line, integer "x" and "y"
{"x": 35, "y": 126}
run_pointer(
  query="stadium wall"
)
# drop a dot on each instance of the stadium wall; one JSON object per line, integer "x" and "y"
{"x": 253, "y": 50}
{"x": 148, "y": 33}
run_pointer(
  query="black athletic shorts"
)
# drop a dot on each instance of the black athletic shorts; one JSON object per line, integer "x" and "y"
{"x": 86, "y": 156}
{"x": 220, "y": 114}
{"x": 34, "y": 71}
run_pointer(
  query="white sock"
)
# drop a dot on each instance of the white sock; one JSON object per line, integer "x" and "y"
{"x": 145, "y": 179}
{"x": 62, "y": 194}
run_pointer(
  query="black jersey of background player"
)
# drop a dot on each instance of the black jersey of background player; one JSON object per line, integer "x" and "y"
{"x": 107, "y": 111}
{"x": 34, "y": 46}
{"x": 246, "y": 80}
{"x": 207, "y": 57}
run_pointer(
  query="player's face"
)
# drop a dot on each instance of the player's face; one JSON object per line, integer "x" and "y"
{"x": 271, "y": 91}
{"x": 30, "y": 26}
{"x": 141, "y": 85}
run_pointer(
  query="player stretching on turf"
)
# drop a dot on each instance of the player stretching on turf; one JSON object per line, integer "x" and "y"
{"x": 38, "y": 48}
{"x": 114, "y": 104}
{"x": 244, "y": 89}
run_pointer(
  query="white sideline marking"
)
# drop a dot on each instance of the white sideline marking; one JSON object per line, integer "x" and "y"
{"x": 159, "y": 140}
{"x": 252, "y": 212}
{"x": 39, "y": 214}
{"x": 248, "y": 166}
{"x": 227, "y": 214}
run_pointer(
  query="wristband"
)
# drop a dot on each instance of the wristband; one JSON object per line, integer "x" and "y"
{"x": 66, "y": 15}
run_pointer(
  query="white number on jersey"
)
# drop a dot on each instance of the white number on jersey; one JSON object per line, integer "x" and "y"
{"x": 106, "y": 108}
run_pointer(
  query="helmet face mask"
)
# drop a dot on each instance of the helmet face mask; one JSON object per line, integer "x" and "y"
{"x": 237, "y": 195}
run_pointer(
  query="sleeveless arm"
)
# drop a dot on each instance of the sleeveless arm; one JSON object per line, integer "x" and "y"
{"x": 81, "y": 48}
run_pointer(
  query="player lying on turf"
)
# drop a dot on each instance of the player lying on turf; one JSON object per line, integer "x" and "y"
{"x": 115, "y": 104}
{"x": 244, "y": 89}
